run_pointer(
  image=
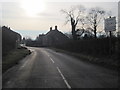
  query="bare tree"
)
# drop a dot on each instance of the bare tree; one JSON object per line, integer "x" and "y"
{"x": 74, "y": 16}
{"x": 94, "y": 18}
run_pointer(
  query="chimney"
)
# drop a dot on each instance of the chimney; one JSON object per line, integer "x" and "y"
{"x": 56, "y": 28}
{"x": 50, "y": 28}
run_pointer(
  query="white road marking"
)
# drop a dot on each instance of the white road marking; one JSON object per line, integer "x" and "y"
{"x": 52, "y": 60}
{"x": 64, "y": 78}
{"x": 50, "y": 57}
{"x": 46, "y": 53}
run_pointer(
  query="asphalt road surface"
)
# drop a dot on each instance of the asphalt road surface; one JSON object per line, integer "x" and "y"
{"x": 45, "y": 68}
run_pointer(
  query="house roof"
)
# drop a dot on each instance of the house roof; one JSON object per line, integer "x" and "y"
{"x": 56, "y": 34}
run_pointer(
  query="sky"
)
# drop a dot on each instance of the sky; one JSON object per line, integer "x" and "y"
{"x": 33, "y": 17}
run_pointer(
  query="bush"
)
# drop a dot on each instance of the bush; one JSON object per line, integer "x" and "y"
{"x": 96, "y": 47}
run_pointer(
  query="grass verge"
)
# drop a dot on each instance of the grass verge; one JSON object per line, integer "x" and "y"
{"x": 106, "y": 62}
{"x": 13, "y": 57}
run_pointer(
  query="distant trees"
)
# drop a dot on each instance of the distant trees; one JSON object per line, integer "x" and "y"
{"x": 28, "y": 41}
{"x": 89, "y": 20}
{"x": 74, "y": 16}
{"x": 94, "y": 18}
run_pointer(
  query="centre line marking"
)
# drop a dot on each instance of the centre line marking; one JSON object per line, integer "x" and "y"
{"x": 52, "y": 60}
{"x": 68, "y": 86}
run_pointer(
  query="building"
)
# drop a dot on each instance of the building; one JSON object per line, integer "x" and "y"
{"x": 40, "y": 39}
{"x": 53, "y": 37}
{"x": 10, "y": 39}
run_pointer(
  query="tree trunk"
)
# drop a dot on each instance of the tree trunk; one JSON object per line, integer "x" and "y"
{"x": 73, "y": 25}
{"x": 95, "y": 32}
{"x": 95, "y": 28}
{"x": 74, "y": 32}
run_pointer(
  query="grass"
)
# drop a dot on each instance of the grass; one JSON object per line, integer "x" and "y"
{"x": 13, "y": 57}
{"x": 102, "y": 61}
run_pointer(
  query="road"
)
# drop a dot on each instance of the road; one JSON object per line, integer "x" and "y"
{"x": 45, "y": 68}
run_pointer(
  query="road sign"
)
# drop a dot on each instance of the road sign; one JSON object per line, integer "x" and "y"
{"x": 119, "y": 17}
{"x": 110, "y": 24}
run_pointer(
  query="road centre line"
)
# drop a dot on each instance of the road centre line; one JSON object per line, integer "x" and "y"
{"x": 67, "y": 84}
{"x": 52, "y": 60}
{"x": 46, "y": 53}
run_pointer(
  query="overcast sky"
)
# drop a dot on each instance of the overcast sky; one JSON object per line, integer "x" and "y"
{"x": 28, "y": 22}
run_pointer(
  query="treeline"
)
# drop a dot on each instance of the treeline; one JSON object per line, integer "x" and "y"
{"x": 10, "y": 40}
{"x": 100, "y": 47}
{"x": 32, "y": 43}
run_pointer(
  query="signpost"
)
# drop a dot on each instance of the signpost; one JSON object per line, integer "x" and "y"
{"x": 109, "y": 26}
{"x": 119, "y": 18}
